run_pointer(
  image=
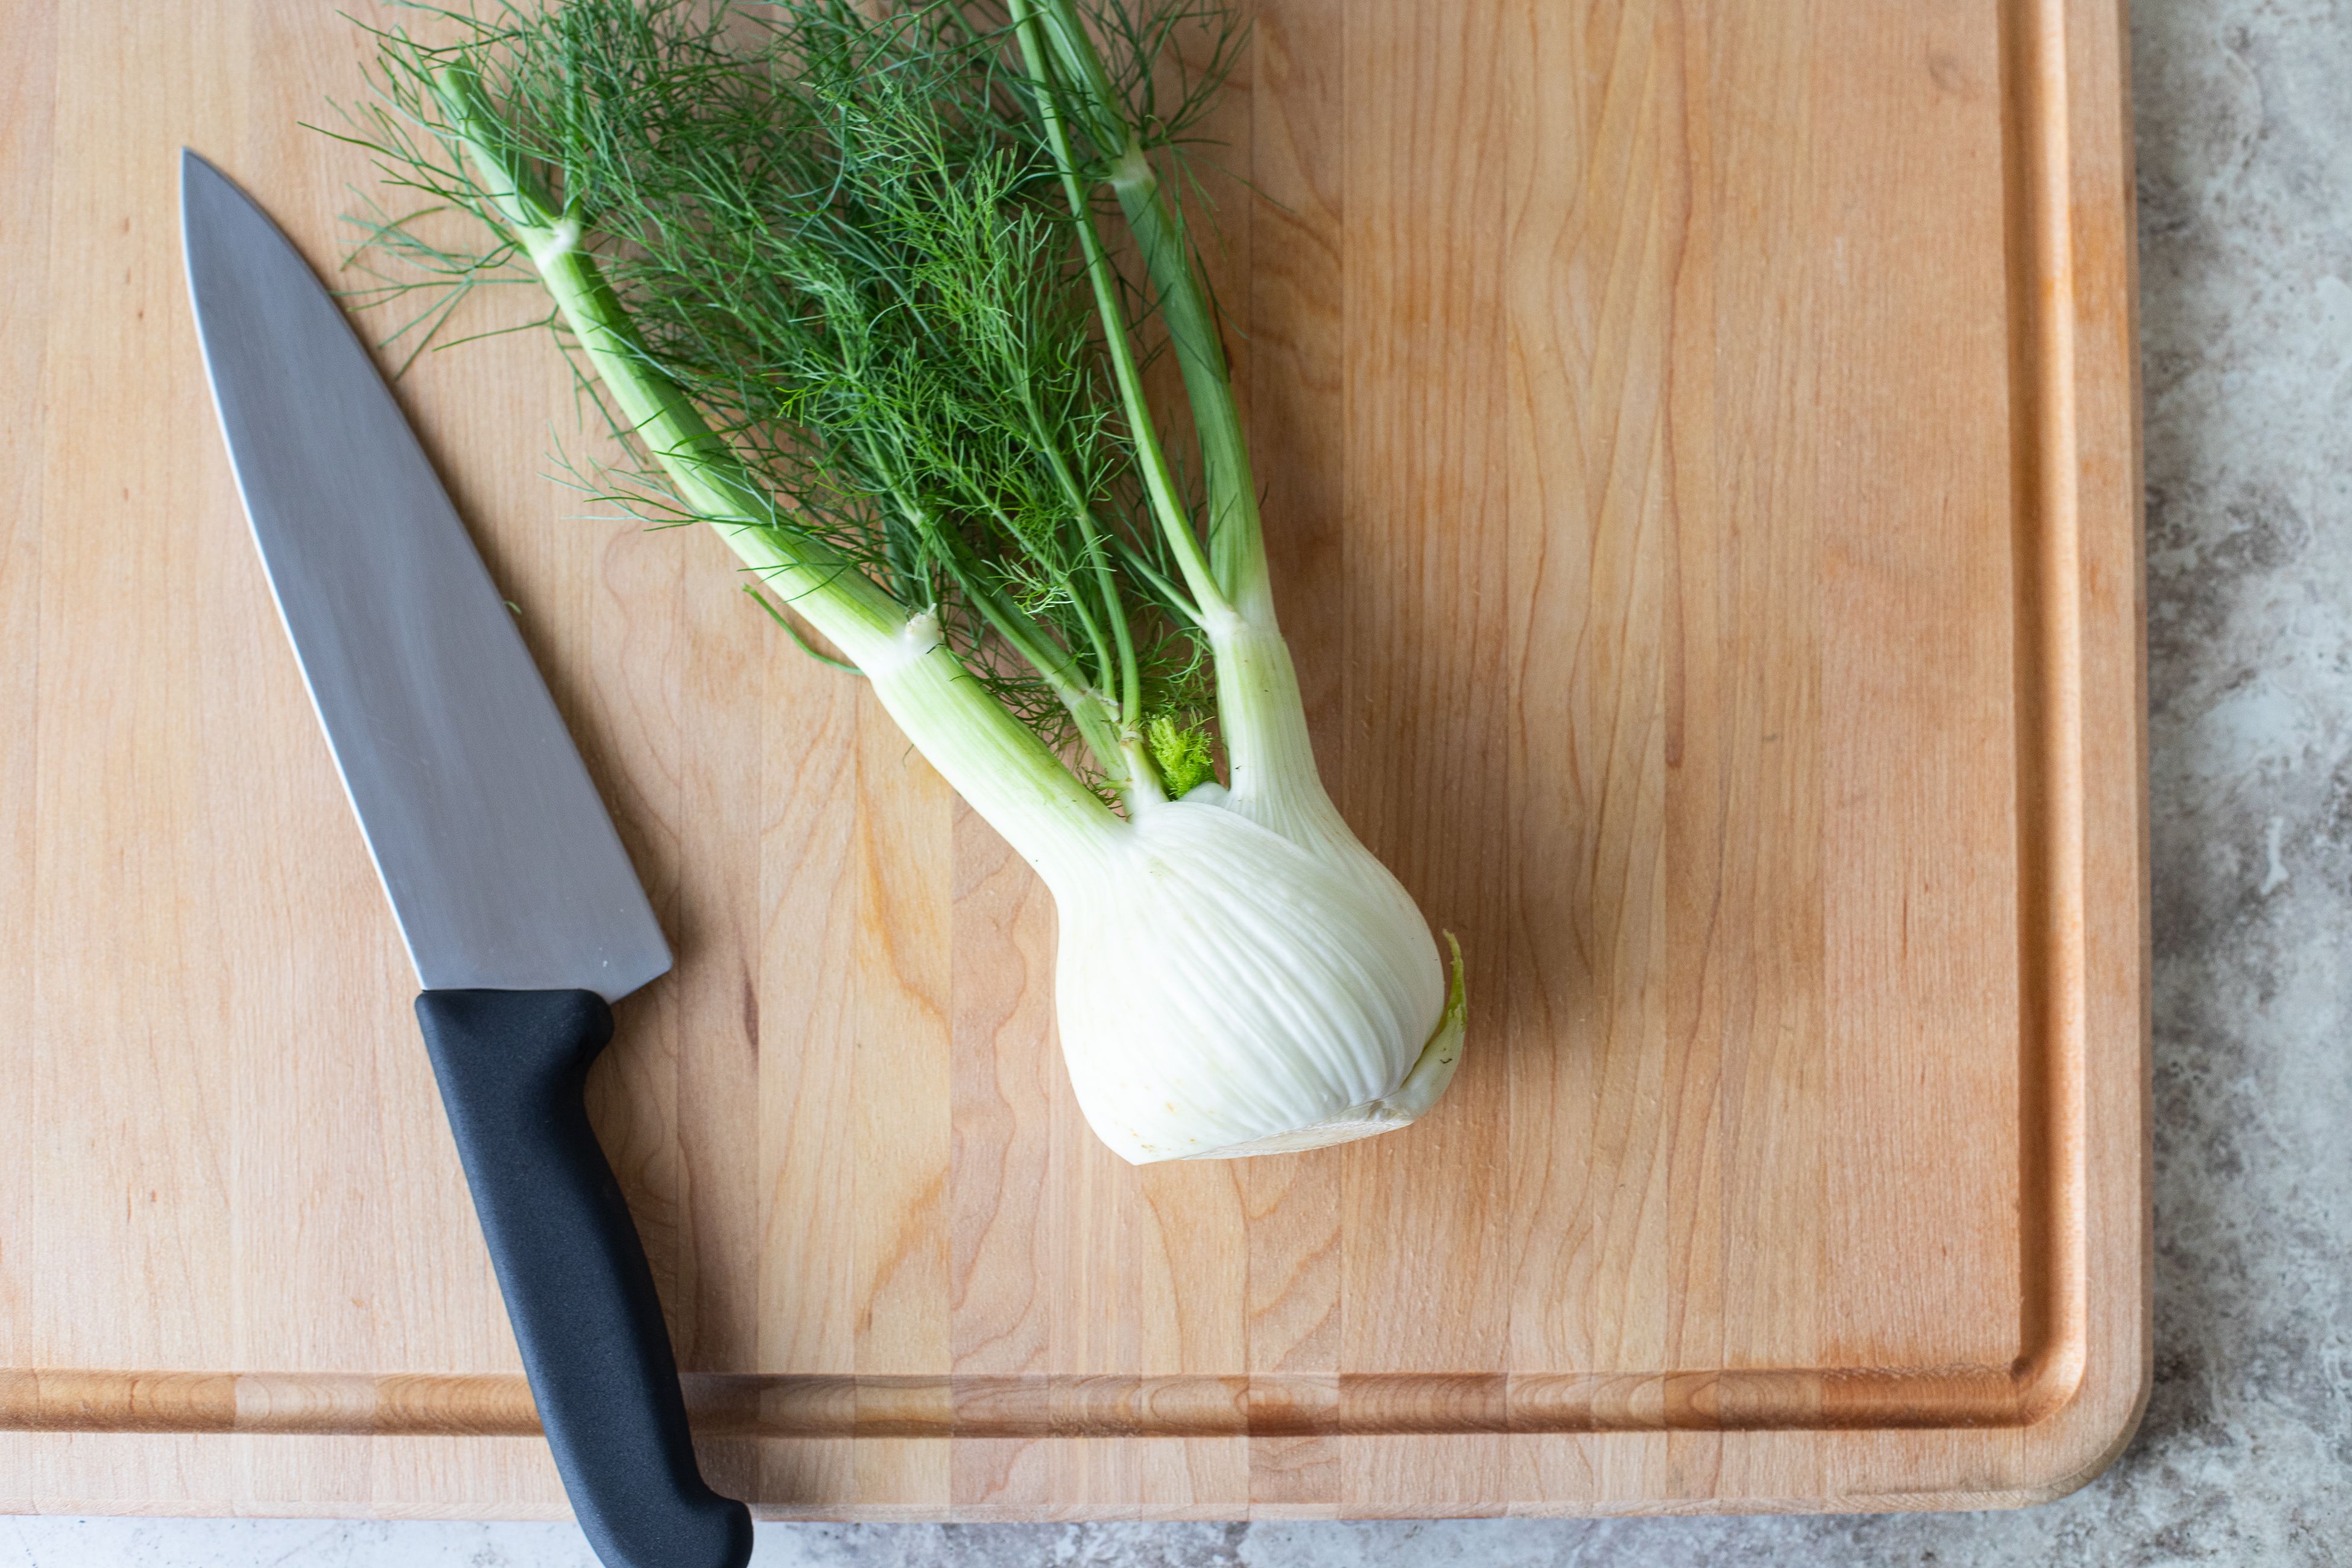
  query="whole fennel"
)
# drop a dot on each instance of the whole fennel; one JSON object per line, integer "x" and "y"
{"x": 841, "y": 280}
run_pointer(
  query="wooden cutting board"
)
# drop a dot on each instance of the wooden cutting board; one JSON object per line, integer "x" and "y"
{"x": 1701, "y": 459}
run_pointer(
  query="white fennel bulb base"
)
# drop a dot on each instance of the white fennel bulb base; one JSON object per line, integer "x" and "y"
{"x": 1223, "y": 991}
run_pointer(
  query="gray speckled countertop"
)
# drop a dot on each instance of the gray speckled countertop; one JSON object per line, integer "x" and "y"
{"x": 2245, "y": 182}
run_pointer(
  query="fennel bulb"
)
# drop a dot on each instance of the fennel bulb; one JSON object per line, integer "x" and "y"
{"x": 837, "y": 276}
{"x": 1224, "y": 991}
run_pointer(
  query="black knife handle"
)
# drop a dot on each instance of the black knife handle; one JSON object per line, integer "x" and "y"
{"x": 512, "y": 1065}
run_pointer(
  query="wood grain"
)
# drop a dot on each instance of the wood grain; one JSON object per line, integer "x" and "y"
{"x": 1701, "y": 466}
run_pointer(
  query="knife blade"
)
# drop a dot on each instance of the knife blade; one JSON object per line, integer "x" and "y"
{"x": 510, "y": 885}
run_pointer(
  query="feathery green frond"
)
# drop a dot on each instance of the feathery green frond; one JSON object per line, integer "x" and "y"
{"x": 838, "y": 237}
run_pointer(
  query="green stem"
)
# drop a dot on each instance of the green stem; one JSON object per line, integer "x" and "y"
{"x": 823, "y": 585}
{"x": 1236, "y": 537}
{"x": 1141, "y": 567}
{"x": 1007, "y": 775}
{"x": 1128, "y": 675}
{"x": 1054, "y": 664}
{"x": 1260, "y": 711}
{"x": 1159, "y": 479}
{"x": 1263, "y": 721}
{"x": 708, "y": 478}
{"x": 1027, "y": 635}
{"x": 1065, "y": 672}
{"x": 985, "y": 753}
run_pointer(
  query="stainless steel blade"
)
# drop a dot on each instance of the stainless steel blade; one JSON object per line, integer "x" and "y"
{"x": 503, "y": 867}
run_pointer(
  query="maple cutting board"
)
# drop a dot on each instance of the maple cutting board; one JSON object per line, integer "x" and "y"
{"x": 1701, "y": 468}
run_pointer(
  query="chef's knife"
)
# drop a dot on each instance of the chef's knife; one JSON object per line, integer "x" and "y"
{"x": 510, "y": 885}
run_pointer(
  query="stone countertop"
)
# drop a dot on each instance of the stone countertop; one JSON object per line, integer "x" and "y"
{"x": 2246, "y": 190}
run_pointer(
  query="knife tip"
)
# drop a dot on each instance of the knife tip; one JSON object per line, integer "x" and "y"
{"x": 203, "y": 187}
